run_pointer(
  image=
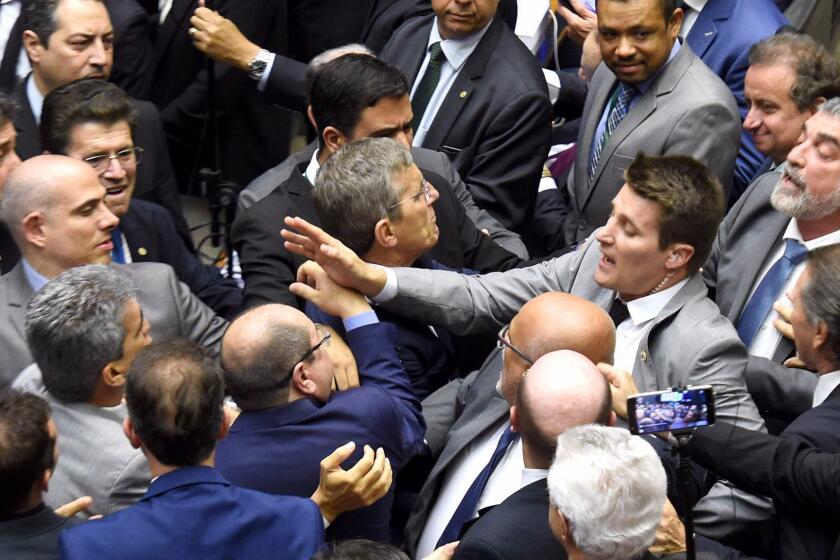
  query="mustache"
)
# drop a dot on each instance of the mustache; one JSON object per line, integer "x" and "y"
{"x": 794, "y": 174}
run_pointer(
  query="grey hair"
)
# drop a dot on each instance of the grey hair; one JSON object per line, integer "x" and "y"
{"x": 355, "y": 189}
{"x": 74, "y": 328}
{"x": 831, "y": 107}
{"x": 331, "y": 54}
{"x": 610, "y": 486}
{"x": 820, "y": 297}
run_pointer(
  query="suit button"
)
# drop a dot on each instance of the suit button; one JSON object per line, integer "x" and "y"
{"x": 582, "y": 225}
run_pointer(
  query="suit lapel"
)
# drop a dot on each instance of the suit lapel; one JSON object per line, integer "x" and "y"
{"x": 18, "y": 292}
{"x": 172, "y": 25}
{"x": 704, "y": 31}
{"x": 462, "y": 88}
{"x": 587, "y": 133}
{"x": 28, "y": 142}
{"x": 495, "y": 411}
{"x": 8, "y": 68}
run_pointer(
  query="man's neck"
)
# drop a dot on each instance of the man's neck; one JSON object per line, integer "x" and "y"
{"x": 388, "y": 257}
{"x": 813, "y": 229}
{"x": 324, "y": 154}
{"x": 664, "y": 284}
{"x": 41, "y": 265}
{"x": 106, "y": 397}
{"x": 156, "y": 468}
{"x": 533, "y": 460}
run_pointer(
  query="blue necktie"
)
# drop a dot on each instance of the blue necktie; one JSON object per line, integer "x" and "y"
{"x": 469, "y": 502}
{"x": 621, "y": 104}
{"x": 117, "y": 253}
{"x": 768, "y": 290}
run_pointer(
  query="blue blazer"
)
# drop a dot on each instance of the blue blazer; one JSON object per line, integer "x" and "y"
{"x": 279, "y": 449}
{"x": 193, "y": 512}
{"x": 722, "y": 36}
{"x": 150, "y": 233}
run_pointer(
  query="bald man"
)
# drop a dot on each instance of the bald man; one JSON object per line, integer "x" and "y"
{"x": 54, "y": 207}
{"x": 467, "y": 418}
{"x": 561, "y": 391}
{"x": 278, "y": 372}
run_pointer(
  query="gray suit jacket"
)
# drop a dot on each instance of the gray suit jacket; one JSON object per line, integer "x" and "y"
{"x": 688, "y": 110}
{"x": 170, "y": 307}
{"x": 96, "y": 459}
{"x": 688, "y": 343}
{"x": 750, "y": 232}
{"x": 262, "y": 186}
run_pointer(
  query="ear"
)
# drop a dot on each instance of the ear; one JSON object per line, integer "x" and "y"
{"x": 302, "y": 382}
{"x": 224, "y": 426}
{"x": 514, "y": 419}
{"x": 333, "y": 138}
{"x": 820, "y": 337}
{"x": 128, "y": 430}
{"x": 311, "y": 117}
{"x": 33, "y": 229}
{"x": 680, "y": 255}
{"x": 812, "y": 110}
{"x": 112, "y": 376}
{"x": 613, "y": 420}
{"x": 384, "y": 234}
{"x": 33, "y": 46}
{"x": 44, "y": 482}
{"x": 675, "y": 23}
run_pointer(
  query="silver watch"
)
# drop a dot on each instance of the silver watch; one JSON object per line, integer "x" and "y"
{"x": 257, "y": 66}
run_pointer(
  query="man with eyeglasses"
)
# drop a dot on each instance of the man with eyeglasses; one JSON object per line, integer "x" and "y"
{"x": 94, "y": 121}
{"x": 278, "y": 372}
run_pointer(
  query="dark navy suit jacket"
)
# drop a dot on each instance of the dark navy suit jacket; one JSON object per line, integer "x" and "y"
{"x": 279, "y": 449}
{"x": 150, "y": 232}
{"x": 722, "y": 36}
{"x": 193, "y": 512}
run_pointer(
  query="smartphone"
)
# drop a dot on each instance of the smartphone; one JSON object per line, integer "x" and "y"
{"x": 672, "y": 409}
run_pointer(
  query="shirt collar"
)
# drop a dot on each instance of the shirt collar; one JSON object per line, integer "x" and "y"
{"x": 36, "y": 279}
{"x": 696, "y": 5}
{"x": 457, "y": 51}
{"x": 311, "y": 172}
{"x": 825, "y": 385}
{"x": 36, "y": 100}
{"x": 792, "y": 232}
{"x": 646, "y": 308}
{"x": 644, "y": 86}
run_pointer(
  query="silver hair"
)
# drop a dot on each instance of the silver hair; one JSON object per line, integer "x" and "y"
{"x": 610, "y": 486}
{"x": 831, "y": 107}
{"x": 337, "y": 52}
{"x": 74, "y": 328}
{"x": 820, "y": 297}
{"x": 355, "y": 189}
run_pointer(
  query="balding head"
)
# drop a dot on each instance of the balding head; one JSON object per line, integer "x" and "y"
{"x": 556, "y": 321}
{"x": 260, "y": 349}
{"x": 561, "y": 390}
{"x": 55, "y": 209}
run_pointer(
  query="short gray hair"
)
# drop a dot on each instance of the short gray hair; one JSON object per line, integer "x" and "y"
{"x": 831, "y": 107}
{"x": 820, "y": 297}
{"x": 619, "y": 520}
{"x": 355, "y": 189}
{"x": 74, "y": 328}
{"x": 331, "y": 54}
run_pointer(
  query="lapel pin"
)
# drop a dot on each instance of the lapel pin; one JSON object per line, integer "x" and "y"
{"x": 142, "y": 251}
{"x": 643, "y": 355}
{"x": 464, "y": 94}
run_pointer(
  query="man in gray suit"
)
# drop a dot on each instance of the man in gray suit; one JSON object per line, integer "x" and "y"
{"x": 789, "y": 77}
{"x": 84, "y": 328}
{"x": 55, "y": 209}
{"x": 648, "y": 255}
{"x": 651, "y": 95}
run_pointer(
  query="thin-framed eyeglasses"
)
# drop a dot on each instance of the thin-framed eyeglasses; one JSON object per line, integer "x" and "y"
{"x": 502, "y": 340}
{"x": 425, "y": 191}
{"x": 128, "y": 158}
{"x": 325, "y": 341}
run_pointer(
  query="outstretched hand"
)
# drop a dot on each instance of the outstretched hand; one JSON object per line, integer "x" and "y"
{"x": 341, "y": 264}
{"x": 76, "y": 506}
{"x": 314, "y": 285}
{"x": 363, "y": 484}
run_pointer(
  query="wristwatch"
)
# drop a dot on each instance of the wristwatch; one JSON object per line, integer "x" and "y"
{"x": 256, "y": 68}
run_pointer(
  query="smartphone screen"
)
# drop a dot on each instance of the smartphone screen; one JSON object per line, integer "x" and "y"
{"x": 669, "y": 410}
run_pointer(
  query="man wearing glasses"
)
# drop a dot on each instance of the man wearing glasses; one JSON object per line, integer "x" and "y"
{"x": 278, "y": 372}
{"x": 93, "y": 121}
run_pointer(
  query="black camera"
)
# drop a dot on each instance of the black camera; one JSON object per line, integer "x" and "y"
{"x": 671, "y": 410}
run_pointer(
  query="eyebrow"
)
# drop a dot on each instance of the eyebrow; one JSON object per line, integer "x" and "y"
{"x": 142, "y": 320}
{"x": 823, "y": 137}
{"x": 89, "y": 202}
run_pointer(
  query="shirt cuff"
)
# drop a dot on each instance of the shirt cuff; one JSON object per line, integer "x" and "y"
{"x": 389, "y": 292}
{"x": 360, "y": 320}
{"x": 264, "y": 79}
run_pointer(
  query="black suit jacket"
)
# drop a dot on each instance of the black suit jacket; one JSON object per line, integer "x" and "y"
{"x": 516, "y": 529}
{"x": 495, "y": 121}
{"x": 253, "y": 134}
{"x": 9, "y": 252}
{"x": 35, "y": 536}
{"x": 155, "y": 178}
{"x": 132, "y": 46}
{"x": 151, "y": 237}
{"x": 268, "y": 268}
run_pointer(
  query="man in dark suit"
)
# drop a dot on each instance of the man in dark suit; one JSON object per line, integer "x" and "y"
{"x": 55, "y": 208}
{"x": 93, "y": 121}
{"x": 497, "y": 136}
{"x": 561, "y": 390}
{"x": 47, "y": 29}
{"x": 9, "y": 160}
{"x": 29, "y": 530}
{"x": 175, "y": 415}
{"x": 280, "y": 376}
{"x": 354, "y": 96}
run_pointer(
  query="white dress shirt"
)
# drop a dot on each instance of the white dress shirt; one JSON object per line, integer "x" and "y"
{"x": 825, "y": 385}
{"x": 630, "y": 332}
{"x": 456, "y": 51}
{"x": 35, "y": 97}
{"x": 768, "y": 337}
{"x": 311, "y": 171}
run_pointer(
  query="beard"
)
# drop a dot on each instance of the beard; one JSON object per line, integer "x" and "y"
{"x": 797, "y": 202}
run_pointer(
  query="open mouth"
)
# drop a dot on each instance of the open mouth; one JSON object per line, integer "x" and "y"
{"x": 607, "y": 260}
{"x": 115, "y": 191}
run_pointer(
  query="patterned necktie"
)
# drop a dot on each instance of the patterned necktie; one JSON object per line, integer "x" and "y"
{"x": 768, "y": 290}
{"x": 469, "y": 502}
{"x": 427, "y": 85}
{"x": 622, "y": 98}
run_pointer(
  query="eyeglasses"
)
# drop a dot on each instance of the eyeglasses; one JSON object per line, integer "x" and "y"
{"x": 325, "y": 341}
{"x": 127, "y": 158}
{"x": 503, "y": 341}
{"x": 425, "y": 191}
